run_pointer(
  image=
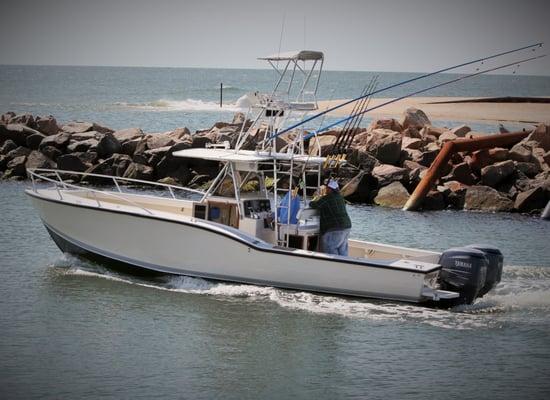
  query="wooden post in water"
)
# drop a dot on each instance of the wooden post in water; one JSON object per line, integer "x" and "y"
{"x": 221, "y": 94}
{"x": 478, "y": 143}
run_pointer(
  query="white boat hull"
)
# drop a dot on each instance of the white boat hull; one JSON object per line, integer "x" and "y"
{"x": 188, "y": 246}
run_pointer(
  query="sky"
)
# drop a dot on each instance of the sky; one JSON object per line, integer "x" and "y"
{"x": 391, "y": 35}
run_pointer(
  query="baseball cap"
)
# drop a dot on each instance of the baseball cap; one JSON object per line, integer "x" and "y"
{"x": 333, "y": 184}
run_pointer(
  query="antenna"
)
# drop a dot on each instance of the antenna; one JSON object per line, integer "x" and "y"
{"x": 281, "y": 37}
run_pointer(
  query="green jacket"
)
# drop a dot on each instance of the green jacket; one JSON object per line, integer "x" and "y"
{"x": 332, "y": 212}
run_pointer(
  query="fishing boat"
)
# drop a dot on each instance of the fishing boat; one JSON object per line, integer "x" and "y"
{"x": 242, "y": 230}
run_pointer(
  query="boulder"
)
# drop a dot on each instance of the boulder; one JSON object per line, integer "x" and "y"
{"x": 8, "y": 146}
{"x": 157, "y": 140}
{"x": 434, "y": 200}
{"x": 46, "y": 125}
{"x": 23, "y": 119}
{"x": 434, "y": 131}
{"x": 460, "y": 173}
{"x": 81, "y": 127}
{"x": 51, "y": 152}
{"x": 108, "y": 145}
{"x": 84, "y": 145}
{"x": 18, "y": 133}
{"x": 484, "y": 198}
{"x": 33, "y": 141}
{"x": 528, "y": 168}
{"x": 498, "y": 154}
{"x": 78, "y": 137}
{"x": 394, "y": 195}
{"x": 546, "y": 158}
{"x": 447, "y": 137}
{"x": 38, "y": 160}
{"x": 534, "y": 199}
{"x": 16, "y": 167}
{"x": 492, "y": 175}
{"x": 541, "y": 136}
{"x": 521, "y": 152}
{"x": 455, "y": 197}
{"x": 129, "y": 147}
{"x": 414, "y": 117}
{"x": 139, "y": 171}
{"x": 121, "y": 163}
{"x": 386, "y": 174}
{"x": 538, "y": 159}
{"x": 461, "y": 131}
{"x": 361, "y": 159}
{"x": 5, "y": 118}
{"x": 59, "y": 141}
{"x": 323, "y": 143}
{"x": 72, "y": 162}
{"x": 125, "y": 135}
{"x": 385, "y": 123}
{"x": 411, "y": 143}
{"x": 385, "y": 145}
{"x": 428, "y": 156}
{"x": 18, "y": 152}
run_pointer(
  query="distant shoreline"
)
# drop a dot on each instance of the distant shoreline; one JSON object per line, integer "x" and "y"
{"x": 467, "y": 109}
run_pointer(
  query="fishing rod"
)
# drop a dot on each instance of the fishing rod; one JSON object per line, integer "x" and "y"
{"x": 328, "y": 110}
{"x": 308, "y": 136}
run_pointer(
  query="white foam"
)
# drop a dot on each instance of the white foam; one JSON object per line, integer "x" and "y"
{"x": 523, "y": 288}
{"x": 182, "y": 105}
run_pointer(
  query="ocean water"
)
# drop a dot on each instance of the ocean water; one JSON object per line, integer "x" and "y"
{"x": 162, "y": 99}
{"x": 72, "y": 329}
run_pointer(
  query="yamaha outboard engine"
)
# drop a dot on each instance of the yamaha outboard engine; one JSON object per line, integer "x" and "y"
{"x": 494, "y": 269}
{"x": 463, "y": 270}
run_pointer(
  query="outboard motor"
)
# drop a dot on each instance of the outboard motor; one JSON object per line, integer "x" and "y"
{"x": 494, "y": 269}
{"x": 463, "y": 270}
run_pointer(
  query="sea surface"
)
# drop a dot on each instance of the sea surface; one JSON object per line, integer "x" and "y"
{"x": 74, "y": 330}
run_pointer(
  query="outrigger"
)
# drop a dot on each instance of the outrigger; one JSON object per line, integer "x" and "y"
{"x": 264, "y": 235}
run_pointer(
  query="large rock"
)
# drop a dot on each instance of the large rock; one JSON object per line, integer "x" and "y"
{"x": 521, "y": 151}
{"x": 492, "y": 175}
{"x": 534, "y": 199}
{"x": 8, "y": 146}
{"x": 485, "y": 198}
{"x": 385, "y": 145}
{"x": 528, "y": 168}
{"x": 362, "y": 159}
{"x": 46, "y": 125}
{"x": 456, "y": 194}
{"x": 461, "y": 131}
{"x": 411, "y": 143}
{"x": 72, "y": 162}
{"x": 321, "y": 143}
{"x": 447, "y": 137}
{"x": 434, "y": 200}
{"x": 461, "y": 173}
{"x": 433, "y": 131}
{"x": 59, "y": 141}
{"x": 81, "y": 127}
{"x": 108, "y": 145}
{"x": 23, "y": 119}
{"x": 394, "y": 195}
{"x": 129, "y": 147}
{"x": 16, "y": 168}
{"x": 84, "y": 145}
{"x": 33, "y": 141}
{"x": 386, "y": 174}
{"x": 541, "y": 136}
{"x": 16, "y": 132}
{"x": 414, "y": 117}
{"x": 124, "y": 135}
{"x": 51, "y": 152}
{"x": 385, "y": 123}
{"x": 156, "y": 140}
{"x": 18, "y": 152}
{"x": 5, "y": 118}
{"x": 38, "y": 160}
{"x": 139, "y": 171}
{"x": 79, "y": 137}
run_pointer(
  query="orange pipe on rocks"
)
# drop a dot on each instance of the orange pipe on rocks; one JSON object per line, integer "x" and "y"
{"x": 448, "y": 149}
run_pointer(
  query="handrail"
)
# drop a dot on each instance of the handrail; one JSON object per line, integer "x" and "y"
{"x": 93, "y": 191}
{"x": 111, "y": 177}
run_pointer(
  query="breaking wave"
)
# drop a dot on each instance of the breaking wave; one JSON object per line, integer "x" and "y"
{"x": 182, "y": 105}
{"x": 523, "y": 291}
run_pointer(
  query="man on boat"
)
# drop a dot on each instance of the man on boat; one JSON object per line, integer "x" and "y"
{"x": 335, "y": 222}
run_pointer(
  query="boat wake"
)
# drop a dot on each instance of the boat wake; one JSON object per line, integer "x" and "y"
{"x": 522, "y": 292}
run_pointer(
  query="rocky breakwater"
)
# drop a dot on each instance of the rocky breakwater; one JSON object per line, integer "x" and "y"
{"x": 28, "y": 141}
{"x": 385, "y": 162}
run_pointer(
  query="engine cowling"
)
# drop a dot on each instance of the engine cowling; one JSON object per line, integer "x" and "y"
{"x": 494, "y": 268}
{"x": 464, "y": 270}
